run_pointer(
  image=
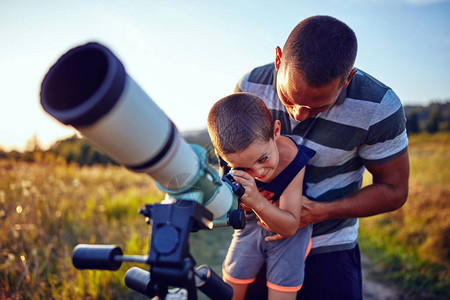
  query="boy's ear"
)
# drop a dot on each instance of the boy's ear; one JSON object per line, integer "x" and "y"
{"x": 276, "y": 129}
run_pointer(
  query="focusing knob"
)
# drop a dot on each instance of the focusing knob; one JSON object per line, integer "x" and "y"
{"x": 237, "y": 219}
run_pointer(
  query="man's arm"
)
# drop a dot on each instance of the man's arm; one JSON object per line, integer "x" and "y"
{"x": 388, "y": 192}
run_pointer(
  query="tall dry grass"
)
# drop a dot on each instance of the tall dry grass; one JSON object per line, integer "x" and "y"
{"x": 46, "y": 209}
{"x": 413, "y": 243}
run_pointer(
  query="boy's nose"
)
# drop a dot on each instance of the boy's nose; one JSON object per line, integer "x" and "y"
{"x": 258, "y": 173}
{"x": 253, "y": 172}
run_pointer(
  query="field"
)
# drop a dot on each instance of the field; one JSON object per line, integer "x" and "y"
{"x": 412, "y": 244}
{"x": 48, "y": 207}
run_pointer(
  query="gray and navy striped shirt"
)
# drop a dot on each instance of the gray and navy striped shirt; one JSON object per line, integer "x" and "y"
{"x": 366, "y": 125}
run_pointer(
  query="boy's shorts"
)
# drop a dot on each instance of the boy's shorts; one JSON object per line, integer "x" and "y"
{"x": 285, "y": 258}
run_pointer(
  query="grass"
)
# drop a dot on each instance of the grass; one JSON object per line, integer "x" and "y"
{"x": 47, "y": 208}
{"x": 412, "y": 244}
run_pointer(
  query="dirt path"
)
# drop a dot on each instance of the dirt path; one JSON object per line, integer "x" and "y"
{"x": 376, "y": 289}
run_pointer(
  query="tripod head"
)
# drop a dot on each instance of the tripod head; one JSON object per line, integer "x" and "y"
{"x": 170, "y": 261}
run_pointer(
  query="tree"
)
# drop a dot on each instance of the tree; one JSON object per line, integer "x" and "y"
{"x": 33, "y": 144}
{"x": 412, "y": 123}
{"x": 433, "y": 120}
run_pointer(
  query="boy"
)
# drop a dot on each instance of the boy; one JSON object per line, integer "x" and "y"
{"x": 246, "y": 138}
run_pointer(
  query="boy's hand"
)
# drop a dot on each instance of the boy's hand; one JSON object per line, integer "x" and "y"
{"x": 251, "y": 197}
{"x": 245, "y": 207}
{"x": 271, "y": 238}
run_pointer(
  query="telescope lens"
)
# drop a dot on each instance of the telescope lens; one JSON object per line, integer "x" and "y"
{"x": 83, "y": 85}
{"x": 76, "y": 79}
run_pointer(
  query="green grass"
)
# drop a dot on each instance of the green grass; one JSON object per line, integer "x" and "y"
{"x": 412, "y": 244}
{"x": 48, "y": 207}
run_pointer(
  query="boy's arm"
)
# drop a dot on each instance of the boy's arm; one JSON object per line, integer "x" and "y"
{"x": 284, "y": 219}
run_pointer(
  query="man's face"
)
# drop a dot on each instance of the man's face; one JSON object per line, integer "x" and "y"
{"x": 303, "y": 101}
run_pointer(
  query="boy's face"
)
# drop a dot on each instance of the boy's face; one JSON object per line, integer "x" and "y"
{"x": 259, "y": 159}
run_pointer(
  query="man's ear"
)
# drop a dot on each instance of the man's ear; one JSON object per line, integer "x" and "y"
{"x": 349, "y": 78}
{"x": 278, "y": 54}
{"x": 276, "y": 129}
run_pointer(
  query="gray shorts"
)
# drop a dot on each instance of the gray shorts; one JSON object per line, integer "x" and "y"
{"x": 285, "y": 258}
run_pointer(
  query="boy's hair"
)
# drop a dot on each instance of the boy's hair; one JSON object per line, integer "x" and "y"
{"x": 236, "y": 121}
{"x": 322, "y": 48}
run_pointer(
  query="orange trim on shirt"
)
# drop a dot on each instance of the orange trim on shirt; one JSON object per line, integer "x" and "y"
{"x": 284, "y": 289}
{"x": 309, "y": 248}
{"x": 229, "y": 278}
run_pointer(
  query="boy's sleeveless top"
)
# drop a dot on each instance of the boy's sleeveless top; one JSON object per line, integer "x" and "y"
{"x": 282, "y": 180}
{"x": 366, "y": 125}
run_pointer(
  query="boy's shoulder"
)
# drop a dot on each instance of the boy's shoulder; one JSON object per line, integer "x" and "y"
{"x": 287, "y": 149}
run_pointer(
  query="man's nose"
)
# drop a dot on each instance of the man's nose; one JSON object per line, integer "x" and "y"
{"x": 301, "y": 113}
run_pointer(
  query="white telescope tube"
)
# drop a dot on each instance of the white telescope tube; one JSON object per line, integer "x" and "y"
{"x": 139, "y": 135}
{"x": 89, "y": 89}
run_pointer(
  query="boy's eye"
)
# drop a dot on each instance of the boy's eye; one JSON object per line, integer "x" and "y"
{"x": 263, "y": 159}
{"x": 240, "y": 169}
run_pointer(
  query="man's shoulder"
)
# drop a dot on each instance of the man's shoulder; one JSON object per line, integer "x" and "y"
{"x": 367, "y": 88}
{"x": 261, "y": 82}
{"x": 262, "y": 75}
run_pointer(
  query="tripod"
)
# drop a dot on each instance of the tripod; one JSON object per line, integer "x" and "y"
{"x": 170, "y": 262}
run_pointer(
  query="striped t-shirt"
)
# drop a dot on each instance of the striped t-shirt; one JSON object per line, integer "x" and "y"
{"x": 366, "y": 125}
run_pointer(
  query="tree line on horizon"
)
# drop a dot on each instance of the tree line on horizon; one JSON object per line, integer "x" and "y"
{"x": 431, "y": 119}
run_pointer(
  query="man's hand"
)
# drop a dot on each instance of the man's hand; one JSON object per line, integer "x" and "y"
{"x": 388, "y": 192}
{"x": 311, "y": 212}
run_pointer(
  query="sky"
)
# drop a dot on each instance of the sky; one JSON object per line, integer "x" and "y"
{"x": 188, "y": 54}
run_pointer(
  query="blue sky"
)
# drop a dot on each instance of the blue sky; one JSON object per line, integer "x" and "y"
{"x": 188, "y": 54}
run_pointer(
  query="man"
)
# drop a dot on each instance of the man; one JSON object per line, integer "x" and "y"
{"x": 353, "y": 122}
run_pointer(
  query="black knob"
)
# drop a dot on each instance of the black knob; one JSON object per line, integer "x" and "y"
{"x": 237, "y": 219}
{"x": 96, "y": 257}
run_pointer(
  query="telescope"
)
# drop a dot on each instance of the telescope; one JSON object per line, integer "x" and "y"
{"x": 89, "y": 89}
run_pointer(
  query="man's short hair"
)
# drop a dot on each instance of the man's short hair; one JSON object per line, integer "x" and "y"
{"x": 322, "y": 48}
{"x": 236, "y": 121}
